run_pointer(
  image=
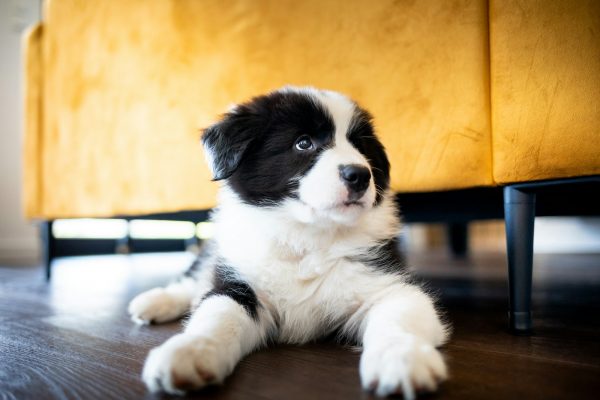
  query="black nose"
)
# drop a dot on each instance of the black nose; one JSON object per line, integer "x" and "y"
{"x": 356, "y": 178}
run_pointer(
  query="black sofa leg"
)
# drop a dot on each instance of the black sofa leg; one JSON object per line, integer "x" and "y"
{"x": 519, "y": 216}
{"x": 458, "y": 238}
{"x": 48, "y": 247}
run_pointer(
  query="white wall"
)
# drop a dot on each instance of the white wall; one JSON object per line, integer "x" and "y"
{"x": 18, "y": 238}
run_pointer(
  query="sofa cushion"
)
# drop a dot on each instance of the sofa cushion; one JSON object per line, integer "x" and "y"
{"x": 128, "y": 84}
{"x": 545, "y": 62}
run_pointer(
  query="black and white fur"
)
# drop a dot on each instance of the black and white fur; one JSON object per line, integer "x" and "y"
{"x": 304, "y": 247}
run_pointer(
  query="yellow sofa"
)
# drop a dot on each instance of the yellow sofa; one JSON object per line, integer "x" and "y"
{"x": 465, "y": 93}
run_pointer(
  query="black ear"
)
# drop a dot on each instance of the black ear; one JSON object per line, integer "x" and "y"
{"x": 226, "y": 142}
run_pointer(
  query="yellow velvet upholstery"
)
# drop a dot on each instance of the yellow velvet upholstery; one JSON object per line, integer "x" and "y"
{"x": 545, "y": 59}
{"x": 127, "y": 84}
{"x": 118, "y": 90}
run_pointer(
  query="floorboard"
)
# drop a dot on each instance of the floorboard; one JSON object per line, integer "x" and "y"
{"x": 72, "y": 338}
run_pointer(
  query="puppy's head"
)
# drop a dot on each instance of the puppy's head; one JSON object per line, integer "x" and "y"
{"x": 311, "y": 151}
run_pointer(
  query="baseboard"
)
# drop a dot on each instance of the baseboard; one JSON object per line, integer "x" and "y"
{"x": 567, "y": 235}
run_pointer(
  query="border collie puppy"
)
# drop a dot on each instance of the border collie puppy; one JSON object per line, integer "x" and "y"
{"x": 305, "y": 246}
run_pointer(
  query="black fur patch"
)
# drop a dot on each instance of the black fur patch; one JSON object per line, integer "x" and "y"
{"x": 362, "y": 136}
{"x": 226, "y": 283}
{"x": 254, "y": 145}
{"x": 385, "y": 257}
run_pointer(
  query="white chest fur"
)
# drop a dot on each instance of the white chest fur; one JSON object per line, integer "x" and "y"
{"x": 305, "y": 273}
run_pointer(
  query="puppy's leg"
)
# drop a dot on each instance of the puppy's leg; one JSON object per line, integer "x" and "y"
{"x": 220, "y": 332}
{"x": 400, "y": 334}
{"x": 164, "y": 304}
{"x": 169, "y": 303}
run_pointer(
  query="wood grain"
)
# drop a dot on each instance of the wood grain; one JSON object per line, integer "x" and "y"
{"x": 72, "y": 338}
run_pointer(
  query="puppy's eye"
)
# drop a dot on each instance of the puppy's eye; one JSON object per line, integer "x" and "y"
{"x": 304, "y": 143}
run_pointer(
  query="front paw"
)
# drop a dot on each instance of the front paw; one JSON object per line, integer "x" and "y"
{"x": 405, "y": 365}
{"x": 184, "y": 363}
{"x": 154, "y": 306}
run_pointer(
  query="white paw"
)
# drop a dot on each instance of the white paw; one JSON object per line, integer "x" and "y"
{"x": 155, "y": 306}
{"x": 184, "y": 363}
{"x": 405, "y": 366}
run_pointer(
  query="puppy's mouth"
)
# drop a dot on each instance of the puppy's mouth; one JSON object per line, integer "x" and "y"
{"x": 342, "y": 206}
{"x": 351, "y": 203}
{"x": 347, "y": 205}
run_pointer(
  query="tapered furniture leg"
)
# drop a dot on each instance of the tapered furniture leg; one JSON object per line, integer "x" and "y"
{"x": 519, "y": 216}
{"x": 458, "y": 238}
{"x": 48, "y": 246}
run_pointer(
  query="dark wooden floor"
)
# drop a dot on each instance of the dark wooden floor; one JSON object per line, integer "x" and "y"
{"x": 73, "y": 339}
